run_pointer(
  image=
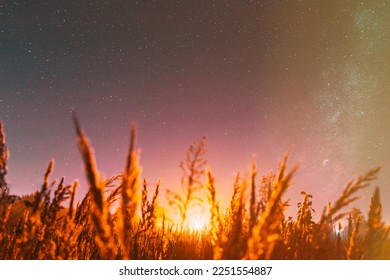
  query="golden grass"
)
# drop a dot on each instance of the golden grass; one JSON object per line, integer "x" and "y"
{"x": 118, "y": 219}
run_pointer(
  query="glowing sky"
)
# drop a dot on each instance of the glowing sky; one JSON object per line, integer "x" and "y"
{"x": 254, "y": 77}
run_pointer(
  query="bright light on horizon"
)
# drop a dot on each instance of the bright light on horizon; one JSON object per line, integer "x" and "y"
{"x": 198, "y": 222}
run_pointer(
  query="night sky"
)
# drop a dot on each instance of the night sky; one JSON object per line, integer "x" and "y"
{"x": 255, "y": 77}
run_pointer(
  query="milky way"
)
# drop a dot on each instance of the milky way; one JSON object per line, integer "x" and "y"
{"x": 255, "y": 77}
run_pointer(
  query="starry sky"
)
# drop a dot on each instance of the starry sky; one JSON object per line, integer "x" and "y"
{"x": 255, "y": 77}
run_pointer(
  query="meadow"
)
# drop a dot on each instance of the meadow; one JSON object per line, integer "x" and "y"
{"x": 119, "y": 217}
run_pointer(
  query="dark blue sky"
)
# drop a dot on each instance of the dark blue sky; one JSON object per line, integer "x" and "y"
{"x": 254, "y": 77}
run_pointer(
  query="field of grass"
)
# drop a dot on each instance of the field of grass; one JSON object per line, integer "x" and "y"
{"x": 49, "y": 224}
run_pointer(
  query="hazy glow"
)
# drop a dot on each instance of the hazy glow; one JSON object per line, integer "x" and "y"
{"x": 198, "y": 222}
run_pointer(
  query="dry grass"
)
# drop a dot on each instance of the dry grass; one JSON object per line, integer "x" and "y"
{"x": 118, "y": 219}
